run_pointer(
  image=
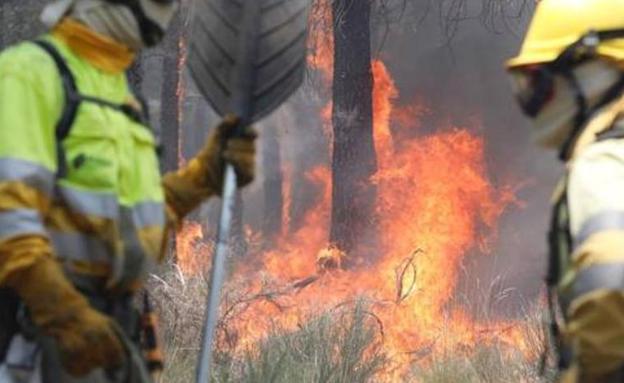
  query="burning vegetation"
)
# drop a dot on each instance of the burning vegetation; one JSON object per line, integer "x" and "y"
{"x": 396, "y": 292}
{"x": 313, "y": 300}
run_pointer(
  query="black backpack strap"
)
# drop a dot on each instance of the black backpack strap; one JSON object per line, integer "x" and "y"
{"x": 72, "y": 102}
{"x": 73, "y": 99}
{"x": 136, "y": 115}
{"x": 8, "y": 320}
{"x": 615, "y": 132}
{"x": 560, "y": 247}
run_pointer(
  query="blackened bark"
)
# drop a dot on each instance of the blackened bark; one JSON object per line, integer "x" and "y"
{"x": 170, "y": 97}
{"x": 273, "y": 180}
{"x": 354, "y": 159}
{"x": 237, "y": 232}
{"x": 170, "y": 105}
{"x": 135, "y": 76}
{"x": 20, "y": 21}
{"x": 3, "y": 25}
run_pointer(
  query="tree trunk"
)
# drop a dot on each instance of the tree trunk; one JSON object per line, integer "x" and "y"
{"x": 169, "y": 97}
{"x": 170, "y": 105}
{"x": 20, "y": 21}
{"x": 273, "y": 179}
{"x": 237, "y": 232}
{"x": 354, "y": 159}
{"x": 3, "y": 30}
{"x": 135, "y": 76}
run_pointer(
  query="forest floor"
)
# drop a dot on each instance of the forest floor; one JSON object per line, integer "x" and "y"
{"x": 327, "y": 348}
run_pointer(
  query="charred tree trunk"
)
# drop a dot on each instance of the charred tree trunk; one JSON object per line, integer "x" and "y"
{"x": 3, "y": 29}
{"x": 237, "y": 232}
{"x": 135, "y": 76}
{"x": 354, "y": 158}
{"x": 20, "y": 20}
{"x": 170, "y": 105}
{"x": 169, "y": 97}
{"x": 273, "y": 179}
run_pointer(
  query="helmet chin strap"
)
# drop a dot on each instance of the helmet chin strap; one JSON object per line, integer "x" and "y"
{"x": 151, "y": 33}
{"x": 581, "y": 51}
{"x": 584, "y": 111}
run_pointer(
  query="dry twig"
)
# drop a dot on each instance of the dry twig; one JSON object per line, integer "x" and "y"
{"x": 401, "y": 271}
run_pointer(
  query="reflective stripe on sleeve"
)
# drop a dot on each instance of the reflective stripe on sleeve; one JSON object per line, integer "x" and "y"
{"x": 80, "y": 247}
{"x": 128, "y": 262}
{"x": 106, "y": 205}
{"x": 609, "y": 220}
{"x": 20, "y": 222}
{"x": 136, "y": 260}
{"x": 101, "y": 205}
{"x": 148, "y": 214}
{"x": 608, "y": 276}
{"x": 30, "y": 173}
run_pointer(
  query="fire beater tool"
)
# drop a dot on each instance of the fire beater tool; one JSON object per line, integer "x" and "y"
{"x": 246, "y": 57}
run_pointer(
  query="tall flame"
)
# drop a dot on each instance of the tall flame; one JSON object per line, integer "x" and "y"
{"x": 435, "y": 205}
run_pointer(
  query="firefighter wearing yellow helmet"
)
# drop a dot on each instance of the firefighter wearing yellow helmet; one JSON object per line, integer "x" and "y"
{"x": 84, "y": 210}
{"x": 569, "y": 79}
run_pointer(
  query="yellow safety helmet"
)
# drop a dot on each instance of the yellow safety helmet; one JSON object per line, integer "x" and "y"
{"x": 557, "y": 24}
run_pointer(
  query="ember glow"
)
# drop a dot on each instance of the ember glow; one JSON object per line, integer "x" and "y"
{"x": 435, "y": 205}
{"x": 192, "y": 251}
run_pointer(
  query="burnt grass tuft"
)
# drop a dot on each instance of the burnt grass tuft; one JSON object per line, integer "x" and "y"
{"x": 342, "y": 346}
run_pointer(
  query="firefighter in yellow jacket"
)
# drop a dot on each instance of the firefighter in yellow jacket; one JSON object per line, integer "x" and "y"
{"x": 569, "y": 79}
{"x": 84, "y": 211}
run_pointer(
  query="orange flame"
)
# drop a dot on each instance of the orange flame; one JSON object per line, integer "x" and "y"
{"x": 193, "y": 253}
{"x": 435, "y": 205}
{"x": 384, "y": 95}
{"x": 321, "y": 40}
{"x": 435, "y": 200}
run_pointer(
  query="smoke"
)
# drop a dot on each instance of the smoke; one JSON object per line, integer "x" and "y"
{"x": 463, "y": 82}
{"x": 460, "y": 77}
{"x": 451, "y": 59}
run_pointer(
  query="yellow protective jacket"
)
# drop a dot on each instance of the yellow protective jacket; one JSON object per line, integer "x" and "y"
{"x": 106, "y": 218}
{"x": 590, "y": 245}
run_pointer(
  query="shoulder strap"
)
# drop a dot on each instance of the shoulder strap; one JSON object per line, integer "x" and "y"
{"x": 559, "y": 237}
{"x": 73, "y": 99}
{"x": 8, "y": 320}
{"x": 615, "y": 132}
{"x": 560, "y": 246}
{"x": 72, "y": 102}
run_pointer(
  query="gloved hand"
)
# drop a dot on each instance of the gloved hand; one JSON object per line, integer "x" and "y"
{"x": 86, "y": 339}
{"x": 239, "y": 151}
{"x": 203, "y": 176}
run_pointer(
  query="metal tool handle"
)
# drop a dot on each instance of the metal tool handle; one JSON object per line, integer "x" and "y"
{"x": 217, "y": 274}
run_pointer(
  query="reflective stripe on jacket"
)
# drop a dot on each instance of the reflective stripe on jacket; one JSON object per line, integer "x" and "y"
{"x": 106, "y": 217}
{"x": 592, "y": 260}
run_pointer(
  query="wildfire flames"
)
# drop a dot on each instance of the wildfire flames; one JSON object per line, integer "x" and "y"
{"x": 192, "y": 252}
{"x": 435, "y": 204}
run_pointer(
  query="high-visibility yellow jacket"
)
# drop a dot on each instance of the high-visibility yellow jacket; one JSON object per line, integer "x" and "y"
{"x": 591, "y": 234}
{"x": 106, "y": 218}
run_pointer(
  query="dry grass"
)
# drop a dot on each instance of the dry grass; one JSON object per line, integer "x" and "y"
{"x": 319, "y": 351}
{"x": 341, "y": 346}
{"x": 494, "y": 360}
{"x": 180, "y": 303}
{"x": 486, "y": 365}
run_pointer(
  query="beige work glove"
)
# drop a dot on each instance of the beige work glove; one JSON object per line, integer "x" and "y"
{"x": 86, "y": 339}
{"x": 202, "y": 177}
